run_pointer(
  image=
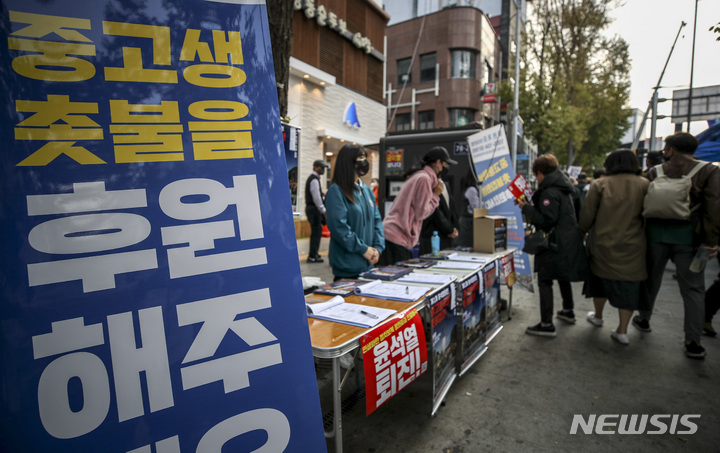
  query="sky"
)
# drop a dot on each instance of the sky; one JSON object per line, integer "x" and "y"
{"x": 650, "y": 27}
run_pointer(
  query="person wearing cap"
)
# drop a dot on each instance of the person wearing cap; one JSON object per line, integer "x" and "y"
{"x": 415, "y": 202}
{"x": 315, "y": 209}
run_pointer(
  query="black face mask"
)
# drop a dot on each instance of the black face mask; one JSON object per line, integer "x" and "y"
{"x": 362, "y": 167}
{"x": 321, "y": 172}
{"x": 443, "y": 173}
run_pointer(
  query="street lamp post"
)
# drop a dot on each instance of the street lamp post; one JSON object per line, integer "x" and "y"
{"x": 516, "y": 88}
{"x": 692, "y": 67}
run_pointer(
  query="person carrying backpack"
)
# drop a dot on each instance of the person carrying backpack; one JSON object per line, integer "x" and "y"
{"x": 682, "y": 211}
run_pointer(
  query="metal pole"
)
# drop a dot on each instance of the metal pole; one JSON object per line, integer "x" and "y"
{"x": 654, "y": 121}
{"x": 516, "y": 95}
{"x": 692, "y": 67}
{"x": 642, "y": 124}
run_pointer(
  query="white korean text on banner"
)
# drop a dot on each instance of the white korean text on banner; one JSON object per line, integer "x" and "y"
{"x": 473, "y": 320}
{"x": 443, "y": 313}
{"x": 491, "y": 160}
{"x": 151, "y": 298}
{"x": 394, "y": 355}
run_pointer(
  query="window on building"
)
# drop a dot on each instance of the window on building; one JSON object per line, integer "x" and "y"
{"x": 426, "y": 119}
{"x": 404, "y": 72}
{"x": 462, "y": 65}
{"x": 461, "y": 117}
{"x": 427, "y": 67}
{"x": 487, "y": 74}
{"x": 402, "y": 122}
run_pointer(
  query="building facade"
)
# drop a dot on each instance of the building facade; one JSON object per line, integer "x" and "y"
{"x": 335, "y": 92}
{"x": 440, "y": 66}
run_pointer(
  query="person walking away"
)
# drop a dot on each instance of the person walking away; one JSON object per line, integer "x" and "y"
{"x": 552, "y": 211}
{"x": 653, "y": 158}
{"x": 612, "y": 215}
{"x": 416, "y": 201}
{"x": 712, "y": 305}
{"x": 678, "y": 235}
{"x": 353, "y": 218}
{"x": 315, "y": 209}
{"x": 471, "y": 201}
{"x": 443, "y": 220}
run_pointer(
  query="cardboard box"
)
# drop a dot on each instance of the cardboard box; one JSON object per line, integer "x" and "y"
{"x": 489, "y": 232}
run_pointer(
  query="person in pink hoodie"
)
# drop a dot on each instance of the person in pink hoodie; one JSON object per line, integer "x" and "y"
{"x": 416, "y": 201}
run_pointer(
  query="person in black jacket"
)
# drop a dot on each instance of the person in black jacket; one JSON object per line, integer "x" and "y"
{"x": 552, "y": 211}
{"x": 315, "y": 209}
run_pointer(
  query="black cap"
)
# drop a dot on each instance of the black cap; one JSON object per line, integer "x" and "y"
{"x": 438, "y": 153}
{"x": 320, "y": 163}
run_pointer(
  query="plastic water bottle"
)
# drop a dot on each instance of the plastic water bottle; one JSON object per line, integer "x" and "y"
{"x": 700, "y": 260}
{"x": 435, "y": 243}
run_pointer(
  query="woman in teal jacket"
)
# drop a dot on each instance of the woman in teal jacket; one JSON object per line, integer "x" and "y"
{"x": 353, "y": 218}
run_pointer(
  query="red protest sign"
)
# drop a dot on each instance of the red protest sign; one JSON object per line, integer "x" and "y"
{"x": 508, "y": 269}
{"x": 394, "y": 355}
{"x": 519, "y": 187}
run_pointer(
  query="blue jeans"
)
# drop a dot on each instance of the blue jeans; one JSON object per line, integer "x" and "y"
{"x": 692, "y": 284}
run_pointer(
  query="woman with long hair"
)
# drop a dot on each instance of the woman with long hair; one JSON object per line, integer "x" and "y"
{"x": 612, "y": 214}
{"x": 353, "y": 218}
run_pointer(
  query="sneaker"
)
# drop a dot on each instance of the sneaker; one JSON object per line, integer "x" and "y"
{"x": 642, "y": 325}
{"x": 620, "y": 338}
{"x": 540, "y": 330}
{"x": 694, "y": 350}
{"x": 709, "y": 331}
{"x": 567, "y": 316}
{"x": 593, "y": 320}
{"x": 315, "y": 259}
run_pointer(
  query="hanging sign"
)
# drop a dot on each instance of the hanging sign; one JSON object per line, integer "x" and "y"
{"x": 491, "y": 158}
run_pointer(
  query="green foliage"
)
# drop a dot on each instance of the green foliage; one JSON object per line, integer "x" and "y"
{"x": 575, "y": 81}
{"x": 716, "y": 29}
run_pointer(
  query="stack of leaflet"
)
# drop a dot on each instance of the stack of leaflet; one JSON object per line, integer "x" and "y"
{"x": 416, "y": 263}
{"x": 339, "y": 288}
{"x": 455, "y": 265}
{"x": 337, "y": 310}
{"x": 432, "y": 279}
{"x": 385, "y": 273}
{"x": 392, "y": 291}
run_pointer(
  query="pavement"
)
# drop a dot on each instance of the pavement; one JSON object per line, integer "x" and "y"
{"x": 523, "y": 394}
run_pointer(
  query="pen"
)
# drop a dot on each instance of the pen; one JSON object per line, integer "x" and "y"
{"x": 368, "y": 314}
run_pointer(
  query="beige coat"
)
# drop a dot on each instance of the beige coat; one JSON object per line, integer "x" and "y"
{"x": 612, "y": 214}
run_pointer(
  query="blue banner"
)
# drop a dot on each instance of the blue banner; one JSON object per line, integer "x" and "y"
{"x": 491, "y": 159}
{"x": 151, "y": 293}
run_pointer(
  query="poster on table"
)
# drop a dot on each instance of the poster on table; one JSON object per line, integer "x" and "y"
{"x": 491, "y": 160}
{"x": 443, "y": 314}
{"x": 151, "y": 300}
{"x": 491, "y": 279}
{"x": 473, "y": 320}
{"x": 394, "y": 355}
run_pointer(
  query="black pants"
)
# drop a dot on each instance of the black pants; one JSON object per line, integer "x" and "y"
{"x": 315, "y": 218}
{"x": 546, "y": 298}
{"x": 393, "y": 253}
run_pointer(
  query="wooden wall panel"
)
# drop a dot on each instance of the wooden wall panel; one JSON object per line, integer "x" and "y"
{"x": 306, "y": 40}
